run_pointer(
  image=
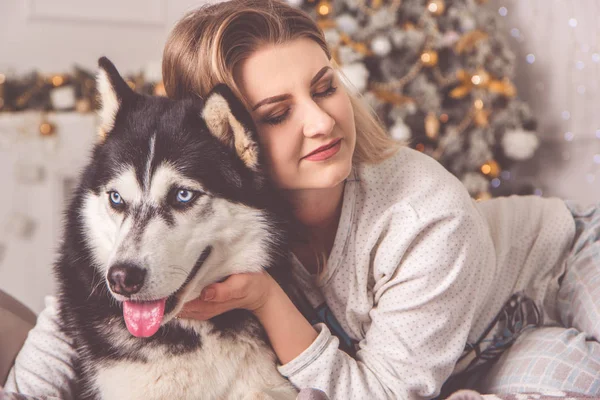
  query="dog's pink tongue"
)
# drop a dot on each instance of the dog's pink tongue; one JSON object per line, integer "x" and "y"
{"x": 143, "y": 318}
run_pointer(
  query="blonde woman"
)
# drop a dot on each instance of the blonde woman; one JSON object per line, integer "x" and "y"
{"x": 411, "y": 281}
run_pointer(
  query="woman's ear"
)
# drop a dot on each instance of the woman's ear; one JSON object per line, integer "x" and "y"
{"x": 228, "y": 120}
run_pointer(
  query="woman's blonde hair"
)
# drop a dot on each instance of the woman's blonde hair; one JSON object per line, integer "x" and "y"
{"x": 207, "y": 45}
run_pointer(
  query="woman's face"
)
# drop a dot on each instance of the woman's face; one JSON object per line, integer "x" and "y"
{"x": 303, "y": 115}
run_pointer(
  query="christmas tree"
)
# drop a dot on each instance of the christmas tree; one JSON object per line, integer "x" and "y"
{"x": 438, "y": 73}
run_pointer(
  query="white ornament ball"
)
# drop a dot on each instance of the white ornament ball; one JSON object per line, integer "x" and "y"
{"x": 348, "y": 55}
{"x": 357, "y": 74}
{"x": 475, "y": 183}
{"x": 400, "y": 131}
{"x": 411, "y": 108}
{"x": 467, "y": 23}
{"x": 520, "y": 144}
{"x": 347, "y": 24}
{"x": 295, "y": 3}
{"x": 63, "y": 98}
{"x": 381, "y": 46}
{"x": 332, "y": 37}
{"x": 399, "y": 37}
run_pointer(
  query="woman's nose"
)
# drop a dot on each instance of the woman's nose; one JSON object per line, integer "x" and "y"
{"x": 317, "y": 121}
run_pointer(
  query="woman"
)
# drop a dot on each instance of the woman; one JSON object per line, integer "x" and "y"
{"x": 405, "y": 271}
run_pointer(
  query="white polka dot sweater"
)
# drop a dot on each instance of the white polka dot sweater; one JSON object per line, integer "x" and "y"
{"x": 418, "y": 269}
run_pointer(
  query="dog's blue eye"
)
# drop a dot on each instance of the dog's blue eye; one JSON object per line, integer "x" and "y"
{"x": 115, "y": 198}
{"x": 185, "y": 196}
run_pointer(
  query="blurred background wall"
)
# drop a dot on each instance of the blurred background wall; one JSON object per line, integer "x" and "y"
{"x": 557, "y": 47}
{"x": 52, "y": 36}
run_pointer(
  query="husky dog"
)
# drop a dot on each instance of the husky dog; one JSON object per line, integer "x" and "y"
{"x": 172, "y": 200}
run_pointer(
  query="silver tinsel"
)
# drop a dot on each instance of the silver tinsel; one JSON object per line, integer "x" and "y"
{"x": 480, "y": 151}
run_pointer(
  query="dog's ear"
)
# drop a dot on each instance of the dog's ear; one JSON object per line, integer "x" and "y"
{"x": 229, "y": 121}
{"x": 113, "y": 92}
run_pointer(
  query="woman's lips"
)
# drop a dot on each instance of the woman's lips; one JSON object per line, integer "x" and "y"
{"x": 325, "y": 152}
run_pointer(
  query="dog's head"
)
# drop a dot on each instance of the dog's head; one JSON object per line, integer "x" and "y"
{"x": 174, "y": 198}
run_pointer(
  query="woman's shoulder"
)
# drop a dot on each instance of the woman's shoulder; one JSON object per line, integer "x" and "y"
{"x": 406, "y": 165}
{"x": 412, "y": 177}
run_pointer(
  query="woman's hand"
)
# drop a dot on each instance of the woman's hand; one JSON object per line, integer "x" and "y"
{"x": 288, "y": 331}
{"x": 248, "y": 291}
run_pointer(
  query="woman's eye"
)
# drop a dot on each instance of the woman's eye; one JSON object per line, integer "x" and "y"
{"x": 278, "y": 119}
{"x": 326, "y": 93}
{"x": 116, "y": 201}
{"x": 185, "y": 196}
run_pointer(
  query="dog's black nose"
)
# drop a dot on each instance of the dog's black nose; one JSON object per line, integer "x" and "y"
{"x": 126, "y": 278}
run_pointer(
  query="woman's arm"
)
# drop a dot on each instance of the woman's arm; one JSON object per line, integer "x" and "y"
{"x": 289, "y": 332}
{"x": 45, "y": 364}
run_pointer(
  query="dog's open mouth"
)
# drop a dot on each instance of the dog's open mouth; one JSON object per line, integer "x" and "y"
{"x": 143, "y": 318}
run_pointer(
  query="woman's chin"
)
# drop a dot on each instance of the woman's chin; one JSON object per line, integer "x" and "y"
{"x": 315, "y": 175}
{"x": 330, "y": 176}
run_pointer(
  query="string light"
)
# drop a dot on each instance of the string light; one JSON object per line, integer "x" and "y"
{"x": 58, "y": 80}
{"x": 530, "y": 58}
{"x": 429, "y": 58}
{"x": 436, "y": 7}
{"x": 324, "y": 8}
{"x": 569, "y": 136}
{"x": 47, "y": 128}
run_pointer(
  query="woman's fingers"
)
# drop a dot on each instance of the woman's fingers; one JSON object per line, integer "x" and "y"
{"x": 216, "y": 299}
{"x": 232, "y": 288}
{"x": 202, "y": 310}
{"x": 248, "y": 291}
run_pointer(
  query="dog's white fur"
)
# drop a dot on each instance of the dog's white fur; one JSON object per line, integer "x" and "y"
{"x": 221, "y": 369}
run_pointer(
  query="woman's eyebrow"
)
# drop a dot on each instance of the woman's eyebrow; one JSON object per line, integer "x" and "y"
{"x": 281, "y": 97}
